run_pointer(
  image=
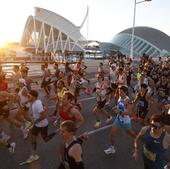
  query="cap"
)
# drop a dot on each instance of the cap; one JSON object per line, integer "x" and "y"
{"x": 21, "y": 80}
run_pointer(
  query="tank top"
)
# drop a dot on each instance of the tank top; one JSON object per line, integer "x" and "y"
{"x": 100, "y": 92}
{"x": 65, "y": 114}
{"x": 23, "y": 99}
{"x": 69, "y": 162}
{"x": 61, "y": 93}
{"x": 121, "y": 105}
{"x": 153, "y": 151}
{"x": 143, "y": 103}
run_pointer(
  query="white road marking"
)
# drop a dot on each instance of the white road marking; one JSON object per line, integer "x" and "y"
{"x": 99, "y": 129}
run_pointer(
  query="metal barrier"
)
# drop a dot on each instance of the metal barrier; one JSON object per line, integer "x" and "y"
{"x": 35, "y": 66}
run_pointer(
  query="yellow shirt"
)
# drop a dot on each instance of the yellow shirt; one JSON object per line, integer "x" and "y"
{"x": 60, "y": 94}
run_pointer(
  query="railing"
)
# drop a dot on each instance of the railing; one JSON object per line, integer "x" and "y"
{"x": 35, "y": 66}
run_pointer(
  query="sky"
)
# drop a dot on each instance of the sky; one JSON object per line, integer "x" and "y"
{"x": 106, "y": 17}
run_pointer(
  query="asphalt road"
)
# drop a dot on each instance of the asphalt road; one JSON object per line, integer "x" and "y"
{"x": 94, "y": 156}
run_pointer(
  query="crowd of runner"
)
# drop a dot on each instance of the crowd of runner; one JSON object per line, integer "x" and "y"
{"x": 124, "y": 90}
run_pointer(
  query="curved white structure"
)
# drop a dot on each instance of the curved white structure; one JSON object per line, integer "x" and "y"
{"x": 50, "y": 32}
{"x": 147, "y": 40}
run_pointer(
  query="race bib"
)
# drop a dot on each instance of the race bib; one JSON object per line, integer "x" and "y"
{"x": 149, "y": 155}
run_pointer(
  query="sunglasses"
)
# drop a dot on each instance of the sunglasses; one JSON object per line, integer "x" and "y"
{"x": 156, "y": 127}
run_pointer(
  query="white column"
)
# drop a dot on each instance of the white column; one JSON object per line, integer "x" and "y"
{"x": 133, "y": 31}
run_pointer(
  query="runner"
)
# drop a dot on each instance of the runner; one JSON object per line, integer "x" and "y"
{"x": 40, "y": 124}
{"x": 162, "y": 91}
{"x": 46, "y": 79}
{"x": 69, "y": 111}
{"x": 79, "y": 80}
{"x": 28, "y": 80}
{"x": 143, "y": 100}
{"x": 101, "y": 71}
{"x": 3, "y": 84}
{"x": 68, "y": 71}
{"x": 24, "y": 105}
{"x": 55, "y": 75}
{"x": 113, "y": 73}
{"x": 60, "y": 91}
{"x": 156, "y": 140}
{"x": 5, "y": 104}
{"x": 123, "y": 110}
{"x": 121, "y": 77}
{"x": 128, "y": 72}
{"x": 16, "y": 74}
{"x": 2, "y": 73}
{"x": 5, "y": 140}
{"x": 72, "y": 157}
{"x": 101, "y": 94}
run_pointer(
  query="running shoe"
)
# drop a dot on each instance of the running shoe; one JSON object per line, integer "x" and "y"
{"x": 33, "y": 158}
{"x": 110, "y": 150}
{"x": 12, "y": 147}
{"x": 4, "y": 137}
{"x": 109, "y": 119}
{"x": 97, "y": 124}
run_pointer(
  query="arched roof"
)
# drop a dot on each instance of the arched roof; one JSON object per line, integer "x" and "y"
{"x": 57, "y": 22}
{"x": 154, "y": 36}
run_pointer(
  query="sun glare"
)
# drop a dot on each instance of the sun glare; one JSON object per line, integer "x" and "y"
{"x": 2, "y": 43}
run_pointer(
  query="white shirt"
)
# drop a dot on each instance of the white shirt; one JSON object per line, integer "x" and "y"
{"x": 113, "y": 75}
{"x": 126, "y": 118}
{"x": 23, "y": 99}
{"x": 100, "y": 92}
{"x": 37, "y": 108}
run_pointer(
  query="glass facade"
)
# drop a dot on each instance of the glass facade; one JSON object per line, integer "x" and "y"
{"x": 123, "y": 40}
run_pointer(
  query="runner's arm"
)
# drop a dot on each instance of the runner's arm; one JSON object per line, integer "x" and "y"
{"x": 78, "y": 116}
{"x": 138, "y": 138}
{"x": 149, "y": 99}
{"x": 136, "y": 98}
{"x": 42, "y": 117}
{"x": 128, "y": 109}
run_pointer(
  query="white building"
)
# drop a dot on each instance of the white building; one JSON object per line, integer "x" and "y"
{"x": 49, "y": 32}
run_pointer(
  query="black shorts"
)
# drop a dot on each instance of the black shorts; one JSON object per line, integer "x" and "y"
{"x": 43, "y": 130}
{"x": 101, "y": 104}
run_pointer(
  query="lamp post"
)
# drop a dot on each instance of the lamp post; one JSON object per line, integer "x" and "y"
{"x": 133, "y": 28}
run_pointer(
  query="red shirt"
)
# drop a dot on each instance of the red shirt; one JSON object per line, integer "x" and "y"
{"x": 65, "y": 115}
{"x": 4, "y": 85}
